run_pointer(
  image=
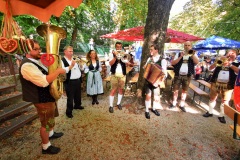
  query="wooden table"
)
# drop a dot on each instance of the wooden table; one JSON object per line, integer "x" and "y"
{"x": 128, "y": 69}
{"x": 171, "y": 73}
{"x": 204, "y": 83}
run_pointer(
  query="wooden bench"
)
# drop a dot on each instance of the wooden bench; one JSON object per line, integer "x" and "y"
{"x": 204, "y": 84}
{"x": 107, "y": 80}
{"x": 198, "y": 91}
{"x": 134, "y": 80}
{"x": 235, "y": 116}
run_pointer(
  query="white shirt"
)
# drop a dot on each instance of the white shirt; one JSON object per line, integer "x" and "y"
{"x": 163, "y": 63}
{"x": 86, "y": 69}
{"x": 31, "y": 73}
{"x": 75, "y": 71}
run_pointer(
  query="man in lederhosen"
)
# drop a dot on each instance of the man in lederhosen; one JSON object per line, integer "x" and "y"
{"x": 118, "y": 77}
{"x": 155, "y": 58}
{"x": 222, "y": 82}
{"x": 184, "y": 71}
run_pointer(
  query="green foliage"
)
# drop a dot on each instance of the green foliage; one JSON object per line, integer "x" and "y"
{"x": 206, "y": 17}
{"x": 198, "y": 18}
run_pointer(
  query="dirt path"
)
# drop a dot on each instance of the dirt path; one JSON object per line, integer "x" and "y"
{"x": 94, "y": 133}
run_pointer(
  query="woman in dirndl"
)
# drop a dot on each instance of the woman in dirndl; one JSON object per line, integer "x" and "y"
{"x": 94, "y": 79}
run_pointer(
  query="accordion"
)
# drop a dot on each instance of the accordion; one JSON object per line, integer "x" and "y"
{"x": 153, "y": 72}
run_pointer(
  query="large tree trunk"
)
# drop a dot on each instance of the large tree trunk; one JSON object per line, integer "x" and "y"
{"x": 155, "y": 31}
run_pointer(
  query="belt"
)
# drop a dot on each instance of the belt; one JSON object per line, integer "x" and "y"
{"x": 74, "y": 79}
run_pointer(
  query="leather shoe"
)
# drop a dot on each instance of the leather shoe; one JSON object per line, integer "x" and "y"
{"x": 119, "y": 106}
{"x": 51, "y": 150}
{"x": 156, "y": 112}
{"x": 96, "y": 102}
{"x": 222, "y": 119}
{"x": 93, "y": 102}
{"x": 80, "y": 107}
{"x": 111, "y": 109}
{"x": 69, "y": 115}
{"x": 56, "y": 135}
{"x": 183, "y": 109}
{"x": 147, "y": 115}
{"x": 172, "y": 106}
{"x": 207, "y": 115}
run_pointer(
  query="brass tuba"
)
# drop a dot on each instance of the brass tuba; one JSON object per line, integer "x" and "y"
{"x": 53, "y": 35}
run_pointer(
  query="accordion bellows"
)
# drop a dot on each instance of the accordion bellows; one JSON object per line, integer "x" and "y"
{"x": 153, "y": 72}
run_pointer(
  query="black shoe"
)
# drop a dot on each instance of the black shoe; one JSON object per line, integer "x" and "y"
{"x": 51, "y": 150}
{"x": 80, "y": 107}
{"x": 222, "y": 119}
{"x": 69, "y": 115}
{"x": 147, "y": 115}
{"x": 183, "y": 109}
{"x": 93, "y": 102}
{"x": 96, "y": 102}
{"x": 172, "y": 106}
{"x": 156, "y": 112}
{"x": 207, "y": 115}
{"x": 119, "y": 107}
{"x": 111, "y": 109}
{"x": 56, "y": 135}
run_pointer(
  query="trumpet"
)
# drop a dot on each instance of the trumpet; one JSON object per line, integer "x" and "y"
{"x": 79, "y": 60}
{"x": 220, "y": 61}
{"x": 191, "y": 52}
{"x": 124, "y": 57}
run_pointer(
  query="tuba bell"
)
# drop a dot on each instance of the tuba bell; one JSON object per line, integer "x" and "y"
{"x": 53, "y": 35}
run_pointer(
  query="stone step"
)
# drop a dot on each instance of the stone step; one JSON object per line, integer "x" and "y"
{"x": 9, "y": 97}
{"x": 15, "y": 123}
{"x": 13, "y": 109}
{"x": 2, "y": 88}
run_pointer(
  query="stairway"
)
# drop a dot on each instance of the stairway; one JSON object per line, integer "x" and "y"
{"x": 14, "y": 113}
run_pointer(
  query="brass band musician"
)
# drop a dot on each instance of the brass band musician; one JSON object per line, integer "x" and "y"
{"x": 35, "y": 82}
{"x": 222, "y": 82}
{"x": 184, "y": 71}
{"x": 118, "y": 77}
{"x": 155, "y": 58}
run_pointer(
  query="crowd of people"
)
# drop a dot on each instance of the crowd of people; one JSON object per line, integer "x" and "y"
{"x": 36, "y": 82}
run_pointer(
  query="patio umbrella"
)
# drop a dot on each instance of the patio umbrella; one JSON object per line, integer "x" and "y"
{"x": 137, "y": 34}
{"x": 39, "y": 9}
{"x": 216, "y": 43}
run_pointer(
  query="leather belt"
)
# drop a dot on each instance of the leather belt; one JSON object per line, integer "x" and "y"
{"x": 74, "y": 79}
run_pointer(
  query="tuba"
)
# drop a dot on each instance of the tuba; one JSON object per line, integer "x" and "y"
{"x": 53, "y": 35}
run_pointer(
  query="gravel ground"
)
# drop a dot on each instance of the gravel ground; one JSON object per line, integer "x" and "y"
{"x": 94, "y": 133}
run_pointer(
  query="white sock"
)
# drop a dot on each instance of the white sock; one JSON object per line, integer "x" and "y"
{"x": 211, "y": 104}
{"x": 182, "y": 103}
{"x": 174, "y": 103}
{"x": 119, "y": 99}
{"x": 51, "y": 133}
{"x": 111, "y": 99}
{"x": 221, "y": 110}
{"x": 147, "y": 104}
{"x": 45, "y": 146}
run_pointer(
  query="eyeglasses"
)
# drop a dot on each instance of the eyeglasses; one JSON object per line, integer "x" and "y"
{"x": 37, "y": 49}
{"x": 187, "y": 45}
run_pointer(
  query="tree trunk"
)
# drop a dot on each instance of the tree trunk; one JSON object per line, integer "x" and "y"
{"x": 75, "y": 30}
{"x": 155, "y": 31}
